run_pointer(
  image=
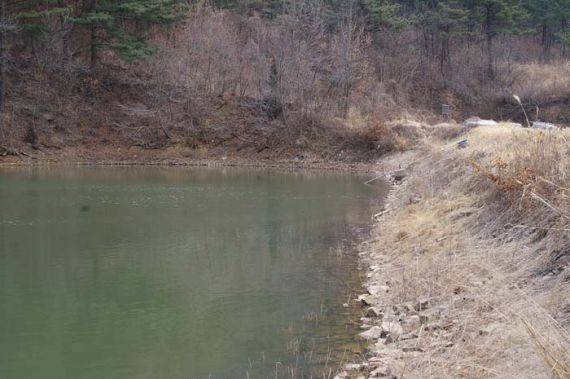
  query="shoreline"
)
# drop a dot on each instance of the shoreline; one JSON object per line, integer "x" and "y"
{"x": 215, "y": 161}
{"x": 449, "y": 290}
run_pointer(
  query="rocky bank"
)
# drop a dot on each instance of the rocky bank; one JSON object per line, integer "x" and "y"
{"x": 453, "y": 289}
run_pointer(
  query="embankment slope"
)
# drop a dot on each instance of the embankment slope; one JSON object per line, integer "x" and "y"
{"x": 469, "y": 264}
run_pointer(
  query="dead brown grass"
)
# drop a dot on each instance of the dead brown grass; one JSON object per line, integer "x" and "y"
{"x": 542, "y": 81}
{"x": 483, "y": 233}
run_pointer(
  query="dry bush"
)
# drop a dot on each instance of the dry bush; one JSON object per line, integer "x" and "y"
{"x": 397, "y": 135}
{"x": 531, "y": 168}
{"x": 541, "y": 82}
{"x": 292, "y": 61}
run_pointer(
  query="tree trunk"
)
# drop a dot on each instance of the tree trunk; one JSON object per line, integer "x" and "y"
{"x": 546, "y": 42}
{"x": 444, "y": 56}
{"x": 489, "y": 33}
{"x": 65, "y": 53}
{"x": 65, "y": 34}
{"x": 93, "y": 48}
{"x": 93, "y": 38}
{"x": 3, "y": 21}
{"x": 563, "y": 26}
{"x": 490, "y": 58}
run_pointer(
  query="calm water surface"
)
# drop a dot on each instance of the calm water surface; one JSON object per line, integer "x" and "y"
{"x": 175, "y": 273}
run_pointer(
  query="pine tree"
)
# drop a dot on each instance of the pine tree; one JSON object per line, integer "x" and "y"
{"x": 120, "y": 25}
{"x": 37, "y": 18}
{"x": 266, "y": 8}
{"x": 551, "y": 18}
{"x": 496, "y": 17}
{"x": 8, "y": 28}
{"x": 385, "y": 13}
{"x": 441, "y": 20}
{"x": 126, "y": 25}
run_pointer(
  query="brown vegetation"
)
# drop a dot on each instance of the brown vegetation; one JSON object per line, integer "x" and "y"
{"x": 237, "y": 84}
{"x": 481, "y": 236}
{"x": 223, "y": 85}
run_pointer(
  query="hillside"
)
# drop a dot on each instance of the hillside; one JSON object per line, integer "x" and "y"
{"x": 265, "y": 80}
{"x": 469, "y": 262}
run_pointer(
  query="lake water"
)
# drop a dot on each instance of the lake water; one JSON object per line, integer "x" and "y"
{"x": 185, "y": 273}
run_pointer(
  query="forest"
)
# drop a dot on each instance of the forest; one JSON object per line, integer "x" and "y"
{"x": 264, "y": 72}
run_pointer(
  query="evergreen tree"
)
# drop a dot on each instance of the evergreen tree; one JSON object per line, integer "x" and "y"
{"x": 37, "y": 18}
{"x": 440, "y": 20}
{"x": 123, "y": 25}
{"x": 495, "y": 17}
{"x": 126, "y": 25}
{"x": 551, "y": 18}
{"x": 385, "y": 13}
{"x": 266, "y": 8}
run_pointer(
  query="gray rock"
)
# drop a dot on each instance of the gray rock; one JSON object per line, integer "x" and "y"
{"x": 476, "y": 121}
{"x": 381, "y": 372}
{"x": 400, "y": 175}
{"x": 402, "y": 309}
{"x": 352, "y": 367}
{"x": 415, "y": 198}
{"x": 421, "y": 305}
{"x": 391, "y": 338}
{"x": 365, "y": 300}
{"x": 543, "y": 125}
{"x": 373, "y": 333}
{"x": 412, "y": 349}
{"x": 411, "y": 324}
{"x": 378, "y": 289}
{"x": 391, "y": 327}
{"x": 374, "y": 312}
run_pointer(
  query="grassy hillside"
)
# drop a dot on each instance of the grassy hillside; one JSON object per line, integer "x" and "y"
{"x": 480, "y": 236}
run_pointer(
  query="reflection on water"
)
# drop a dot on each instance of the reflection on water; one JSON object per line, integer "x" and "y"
{"x": 174, "y": 273}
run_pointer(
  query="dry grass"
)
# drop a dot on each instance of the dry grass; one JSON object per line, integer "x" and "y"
{"x": 483, "y": 233}
{"x": 542, "y": 81}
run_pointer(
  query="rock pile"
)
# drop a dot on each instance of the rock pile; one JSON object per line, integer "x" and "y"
{"x": 395, "y": 332}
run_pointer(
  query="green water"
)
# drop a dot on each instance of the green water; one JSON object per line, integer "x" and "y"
{"x": 175, "y": 273}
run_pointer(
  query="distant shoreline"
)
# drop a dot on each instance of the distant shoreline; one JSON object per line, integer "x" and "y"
{"x": 252, "y": 162}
